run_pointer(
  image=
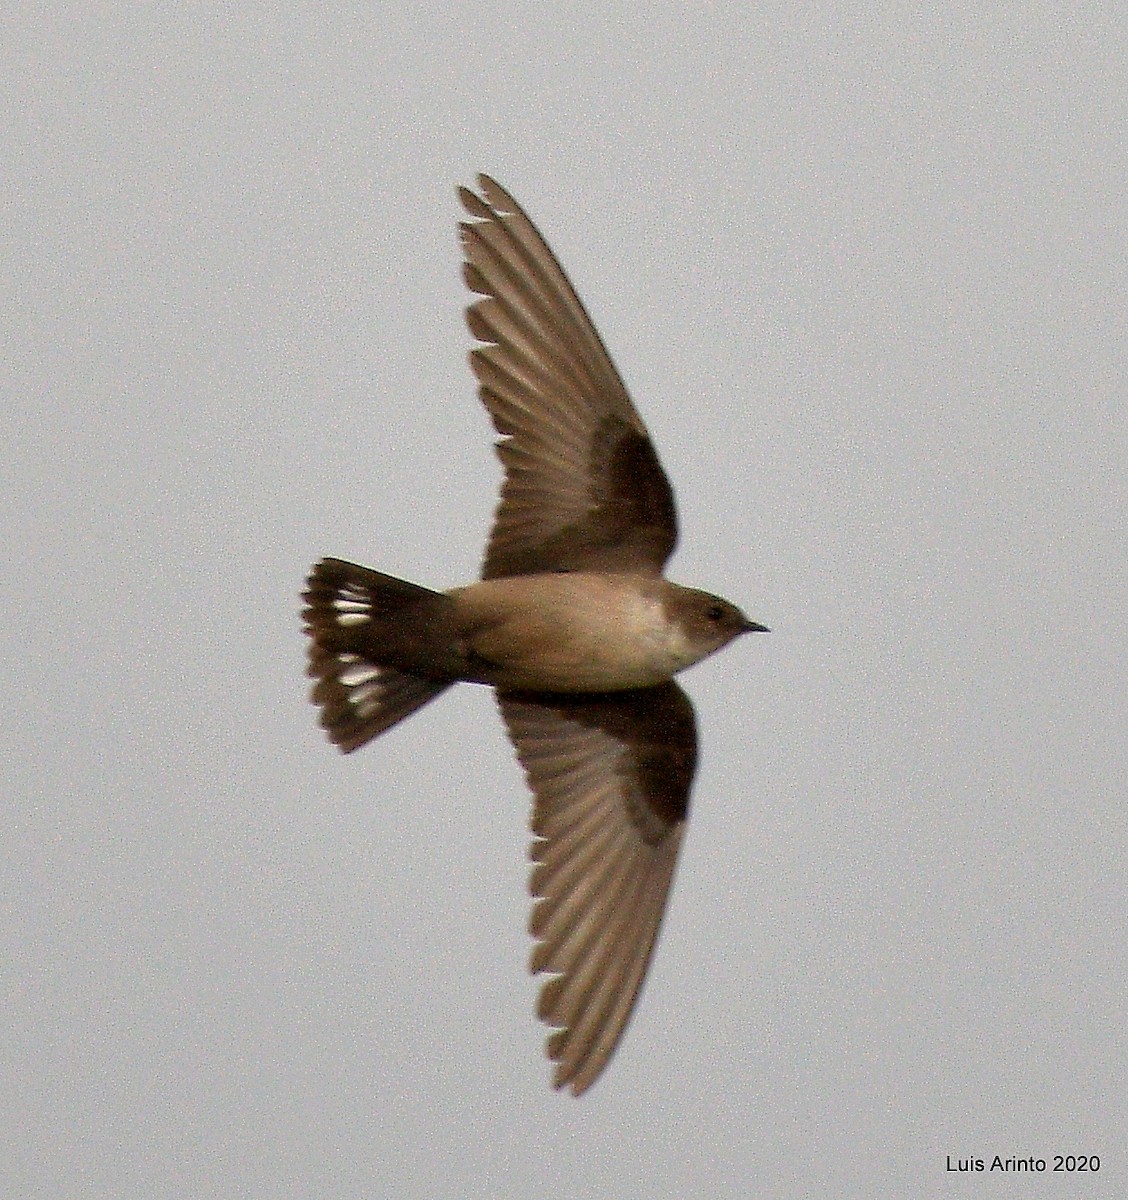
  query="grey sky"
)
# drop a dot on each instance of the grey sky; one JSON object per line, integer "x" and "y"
{"x": 864, "y": 272}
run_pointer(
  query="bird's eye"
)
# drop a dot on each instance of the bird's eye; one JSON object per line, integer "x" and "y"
{"x": 714, "y": 612}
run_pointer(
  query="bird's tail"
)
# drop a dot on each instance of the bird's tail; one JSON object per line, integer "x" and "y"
{"x": 379, "y": 649}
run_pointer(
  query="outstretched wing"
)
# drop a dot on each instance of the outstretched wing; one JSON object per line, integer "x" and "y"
{"x": 611, "y": 775}
{"x": 583, "y": 488}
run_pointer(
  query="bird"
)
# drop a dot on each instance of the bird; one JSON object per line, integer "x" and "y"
{"x": 572, "y": 623}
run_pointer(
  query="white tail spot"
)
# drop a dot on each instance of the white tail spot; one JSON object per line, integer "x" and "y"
{"x": 359, "y": 673}
{"x": 362, "y": 682}
{"x": 352, "y": 607}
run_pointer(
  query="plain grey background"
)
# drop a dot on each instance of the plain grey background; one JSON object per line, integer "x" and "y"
{"x": 864, "y": 270}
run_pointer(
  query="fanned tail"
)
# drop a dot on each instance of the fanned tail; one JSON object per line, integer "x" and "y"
{"x": 379, "y": 649}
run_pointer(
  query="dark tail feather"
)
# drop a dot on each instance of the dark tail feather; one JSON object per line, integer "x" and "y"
{"x": 378, "y": 649}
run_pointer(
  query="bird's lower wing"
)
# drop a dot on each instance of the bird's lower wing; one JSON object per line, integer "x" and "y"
{"x": 611, "y": 775}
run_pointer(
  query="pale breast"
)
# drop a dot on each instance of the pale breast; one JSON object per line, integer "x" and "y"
{"x": 573, "y": 632}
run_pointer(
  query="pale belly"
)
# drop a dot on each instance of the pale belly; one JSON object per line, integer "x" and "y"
{"x": 571, "y": 632}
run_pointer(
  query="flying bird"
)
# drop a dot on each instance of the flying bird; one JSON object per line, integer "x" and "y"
{"x": 572, "y": 623}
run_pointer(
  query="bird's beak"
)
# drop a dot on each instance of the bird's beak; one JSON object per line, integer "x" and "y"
{"x": 752, "y": 627}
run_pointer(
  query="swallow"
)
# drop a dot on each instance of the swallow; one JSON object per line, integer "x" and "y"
{"x": 571, "y": 623}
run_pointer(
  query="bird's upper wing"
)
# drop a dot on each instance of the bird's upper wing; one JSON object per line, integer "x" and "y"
{"x": 611, "y": 775}
{"x": 583, "y": 488}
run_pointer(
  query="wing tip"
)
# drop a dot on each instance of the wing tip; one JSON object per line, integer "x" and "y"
{"x": 494, "y": 202}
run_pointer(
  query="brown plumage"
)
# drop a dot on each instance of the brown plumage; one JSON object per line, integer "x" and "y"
{"x": 572, "y": 623}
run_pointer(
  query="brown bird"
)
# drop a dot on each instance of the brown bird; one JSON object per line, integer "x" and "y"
{"x": 572, "y": 623}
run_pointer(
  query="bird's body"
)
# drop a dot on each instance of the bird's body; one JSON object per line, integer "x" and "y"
{"x": 572, "y": 623}
{"x": 578, "y": 632}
